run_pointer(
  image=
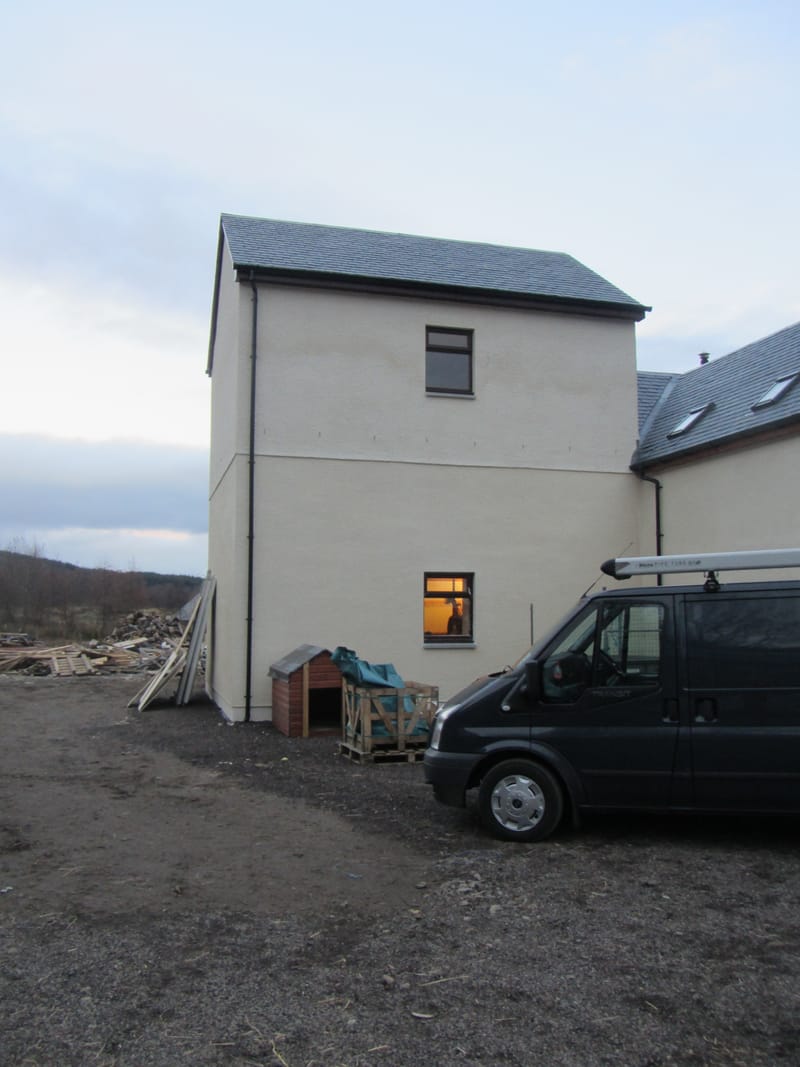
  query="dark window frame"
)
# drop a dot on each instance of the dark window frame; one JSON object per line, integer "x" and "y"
{"x": 777, "y": 391}
{"x": 450, "y": 639}
{"x": 609, "y": 647}
{"x": 688, "y": 422}
{"x": 441, "y": 346}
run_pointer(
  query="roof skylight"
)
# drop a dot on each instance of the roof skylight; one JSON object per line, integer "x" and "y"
{"x": 689, "y": 421}
{"x": 777, "y": 390}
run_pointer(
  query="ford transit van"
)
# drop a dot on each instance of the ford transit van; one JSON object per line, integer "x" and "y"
{"x": 665, "y": 698}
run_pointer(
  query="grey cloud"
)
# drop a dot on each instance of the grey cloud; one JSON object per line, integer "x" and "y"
{"x": 153, "y": 231}
{"x": 52, "y": 483}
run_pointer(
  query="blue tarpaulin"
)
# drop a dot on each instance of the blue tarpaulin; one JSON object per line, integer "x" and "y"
{"x": 359, "y": 672}
{"x": 378, "y": 676}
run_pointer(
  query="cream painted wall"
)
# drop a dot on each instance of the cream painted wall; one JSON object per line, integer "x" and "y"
{"x": 227, "y": 545}
{"x": 749, "y": 498}
{"x": 228, "y": 510}
{"x": 230, "y": 378}
{"x": 363, "y": 482}
{"x": 344, "y": 375}
{"x": 345, "y": 563}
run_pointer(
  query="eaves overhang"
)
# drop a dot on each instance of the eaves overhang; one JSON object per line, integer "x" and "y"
{"x": 776, "y": 430}
{"x": 212, "y": 336}
{"x": 632, "y": 312}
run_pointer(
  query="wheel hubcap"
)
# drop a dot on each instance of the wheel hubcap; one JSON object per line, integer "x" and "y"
{"x": 517, "y": 802}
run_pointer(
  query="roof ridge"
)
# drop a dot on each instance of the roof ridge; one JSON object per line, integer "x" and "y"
{"x": 403, "y": 233}
{"x": 742, "y": 349}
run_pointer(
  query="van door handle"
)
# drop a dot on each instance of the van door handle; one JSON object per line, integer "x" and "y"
{"x": 670, "y": 711}
{"x": 705, "y": 710}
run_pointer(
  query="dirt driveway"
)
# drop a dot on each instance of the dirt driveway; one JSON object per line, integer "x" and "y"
{"x": 176, "y": 891}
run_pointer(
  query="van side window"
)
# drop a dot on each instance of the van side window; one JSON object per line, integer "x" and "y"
{"x": 630, "y": 645}
{"x": 615, "y": 643}
{"x": 746, "y": 643}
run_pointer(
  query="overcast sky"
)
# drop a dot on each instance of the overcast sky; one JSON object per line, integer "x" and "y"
{"x": 657, "y": 143}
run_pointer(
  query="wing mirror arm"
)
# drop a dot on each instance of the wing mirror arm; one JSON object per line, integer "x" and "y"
{"x": 527, "y": 690}
{"x": 533, "y": 681}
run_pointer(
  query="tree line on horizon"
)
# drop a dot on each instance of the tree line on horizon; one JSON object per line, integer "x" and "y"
{"x": 47, "y": 599}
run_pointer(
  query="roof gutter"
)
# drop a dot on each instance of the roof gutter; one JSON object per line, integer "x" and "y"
{"x": 248, "y": 680}
{"x": 763, "y": 434}
{"x": 437, "y": 291}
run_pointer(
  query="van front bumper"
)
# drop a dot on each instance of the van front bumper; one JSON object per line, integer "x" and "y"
{"x": 449, "y": 773}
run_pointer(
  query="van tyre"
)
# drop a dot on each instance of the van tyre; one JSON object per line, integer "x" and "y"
{"x": 520, "y": 800}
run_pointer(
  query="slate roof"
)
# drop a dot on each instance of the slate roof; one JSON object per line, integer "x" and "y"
{"x": 731, "y": 384}
{"x": 651, "y": 387}
{"x": 303, "y": 250}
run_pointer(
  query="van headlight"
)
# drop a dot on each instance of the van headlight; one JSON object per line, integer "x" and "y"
{"x": 438, "y": 723}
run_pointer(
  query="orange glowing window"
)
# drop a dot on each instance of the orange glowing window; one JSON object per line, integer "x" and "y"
{"x": 447, "y": 608}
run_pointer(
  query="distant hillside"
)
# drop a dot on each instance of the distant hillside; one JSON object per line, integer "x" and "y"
{"x": 49, "y": 598}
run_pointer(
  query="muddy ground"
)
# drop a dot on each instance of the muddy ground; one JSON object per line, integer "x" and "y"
{"x": 177, "y": 891}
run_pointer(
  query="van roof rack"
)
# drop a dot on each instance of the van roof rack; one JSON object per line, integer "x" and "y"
{"x": 703, "y": 562}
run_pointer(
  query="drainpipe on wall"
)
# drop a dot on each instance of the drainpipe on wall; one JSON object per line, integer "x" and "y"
{"x": 251, "y": 507}
{"x": 659, "y": 533}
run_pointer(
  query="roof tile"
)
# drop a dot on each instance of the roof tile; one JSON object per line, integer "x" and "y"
{"x": 733, "y": 384}
{"x": 298, "y": 248}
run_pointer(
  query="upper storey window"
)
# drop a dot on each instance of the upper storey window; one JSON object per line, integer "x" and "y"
{"x": 448, "y": 361}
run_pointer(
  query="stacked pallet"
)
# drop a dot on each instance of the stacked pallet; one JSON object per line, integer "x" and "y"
{"x": 386, "y": 723}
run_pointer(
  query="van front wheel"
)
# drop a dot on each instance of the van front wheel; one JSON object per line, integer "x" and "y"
{"x": 519, "y": 800}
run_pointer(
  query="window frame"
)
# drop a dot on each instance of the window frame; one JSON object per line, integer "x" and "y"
{"x": 583, "y": 659}
{"x": 688, "y": 422}
{"x": 777, "y": 391}
{"x": 431, "y": 640}
{"x": 467, "y": 351}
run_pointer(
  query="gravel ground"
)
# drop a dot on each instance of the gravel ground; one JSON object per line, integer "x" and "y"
{"x": 179, "y": 891}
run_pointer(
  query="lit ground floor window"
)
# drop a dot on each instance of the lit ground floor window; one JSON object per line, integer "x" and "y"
{"x": 448, "y": 608}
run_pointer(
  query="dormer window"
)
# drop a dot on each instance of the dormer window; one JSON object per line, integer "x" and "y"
{"x": 777, "y": 390}
{"x": 690, "y": 421}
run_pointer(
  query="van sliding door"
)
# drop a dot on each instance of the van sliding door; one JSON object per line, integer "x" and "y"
{"x": 744, "y": 699}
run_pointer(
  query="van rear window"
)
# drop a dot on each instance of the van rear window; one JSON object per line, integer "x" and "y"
{"x": 746, "y": 643}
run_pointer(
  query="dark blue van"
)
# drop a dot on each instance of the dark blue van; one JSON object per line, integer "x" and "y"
{"x": 667, "y": 698}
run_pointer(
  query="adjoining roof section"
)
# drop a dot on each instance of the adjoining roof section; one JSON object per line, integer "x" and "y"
{"x": 730, "y": 392}
{"x": 318, "y": 254}
{"x": 651, "y": 388}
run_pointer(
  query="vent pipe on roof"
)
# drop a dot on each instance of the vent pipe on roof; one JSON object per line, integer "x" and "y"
{"x": 704, "y": 358}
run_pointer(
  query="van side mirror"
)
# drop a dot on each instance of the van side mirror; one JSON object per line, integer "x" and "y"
{"x": 533, "y": 681}
{"x": 526, "y": 691}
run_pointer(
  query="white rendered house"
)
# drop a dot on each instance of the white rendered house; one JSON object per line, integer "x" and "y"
{"x": 420, "y": 449}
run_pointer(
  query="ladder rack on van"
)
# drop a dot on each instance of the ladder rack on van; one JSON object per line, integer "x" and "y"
{"x": 703, "y": 562}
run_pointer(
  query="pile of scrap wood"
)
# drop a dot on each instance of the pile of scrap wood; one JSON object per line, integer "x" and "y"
{"x": 151, "y": 626}
{"x": 70, "y": 659}
{"x": 164, "y": 647}
{"x": 15, "y": 640}
{"x": 144, "y": 641}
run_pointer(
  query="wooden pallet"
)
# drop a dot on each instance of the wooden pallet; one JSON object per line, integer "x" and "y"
{"x": 383, "y": 719}
{"x": 67, "y": 662}
{"x": 385, "y": 725}
{"x": 383, "y": 755}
